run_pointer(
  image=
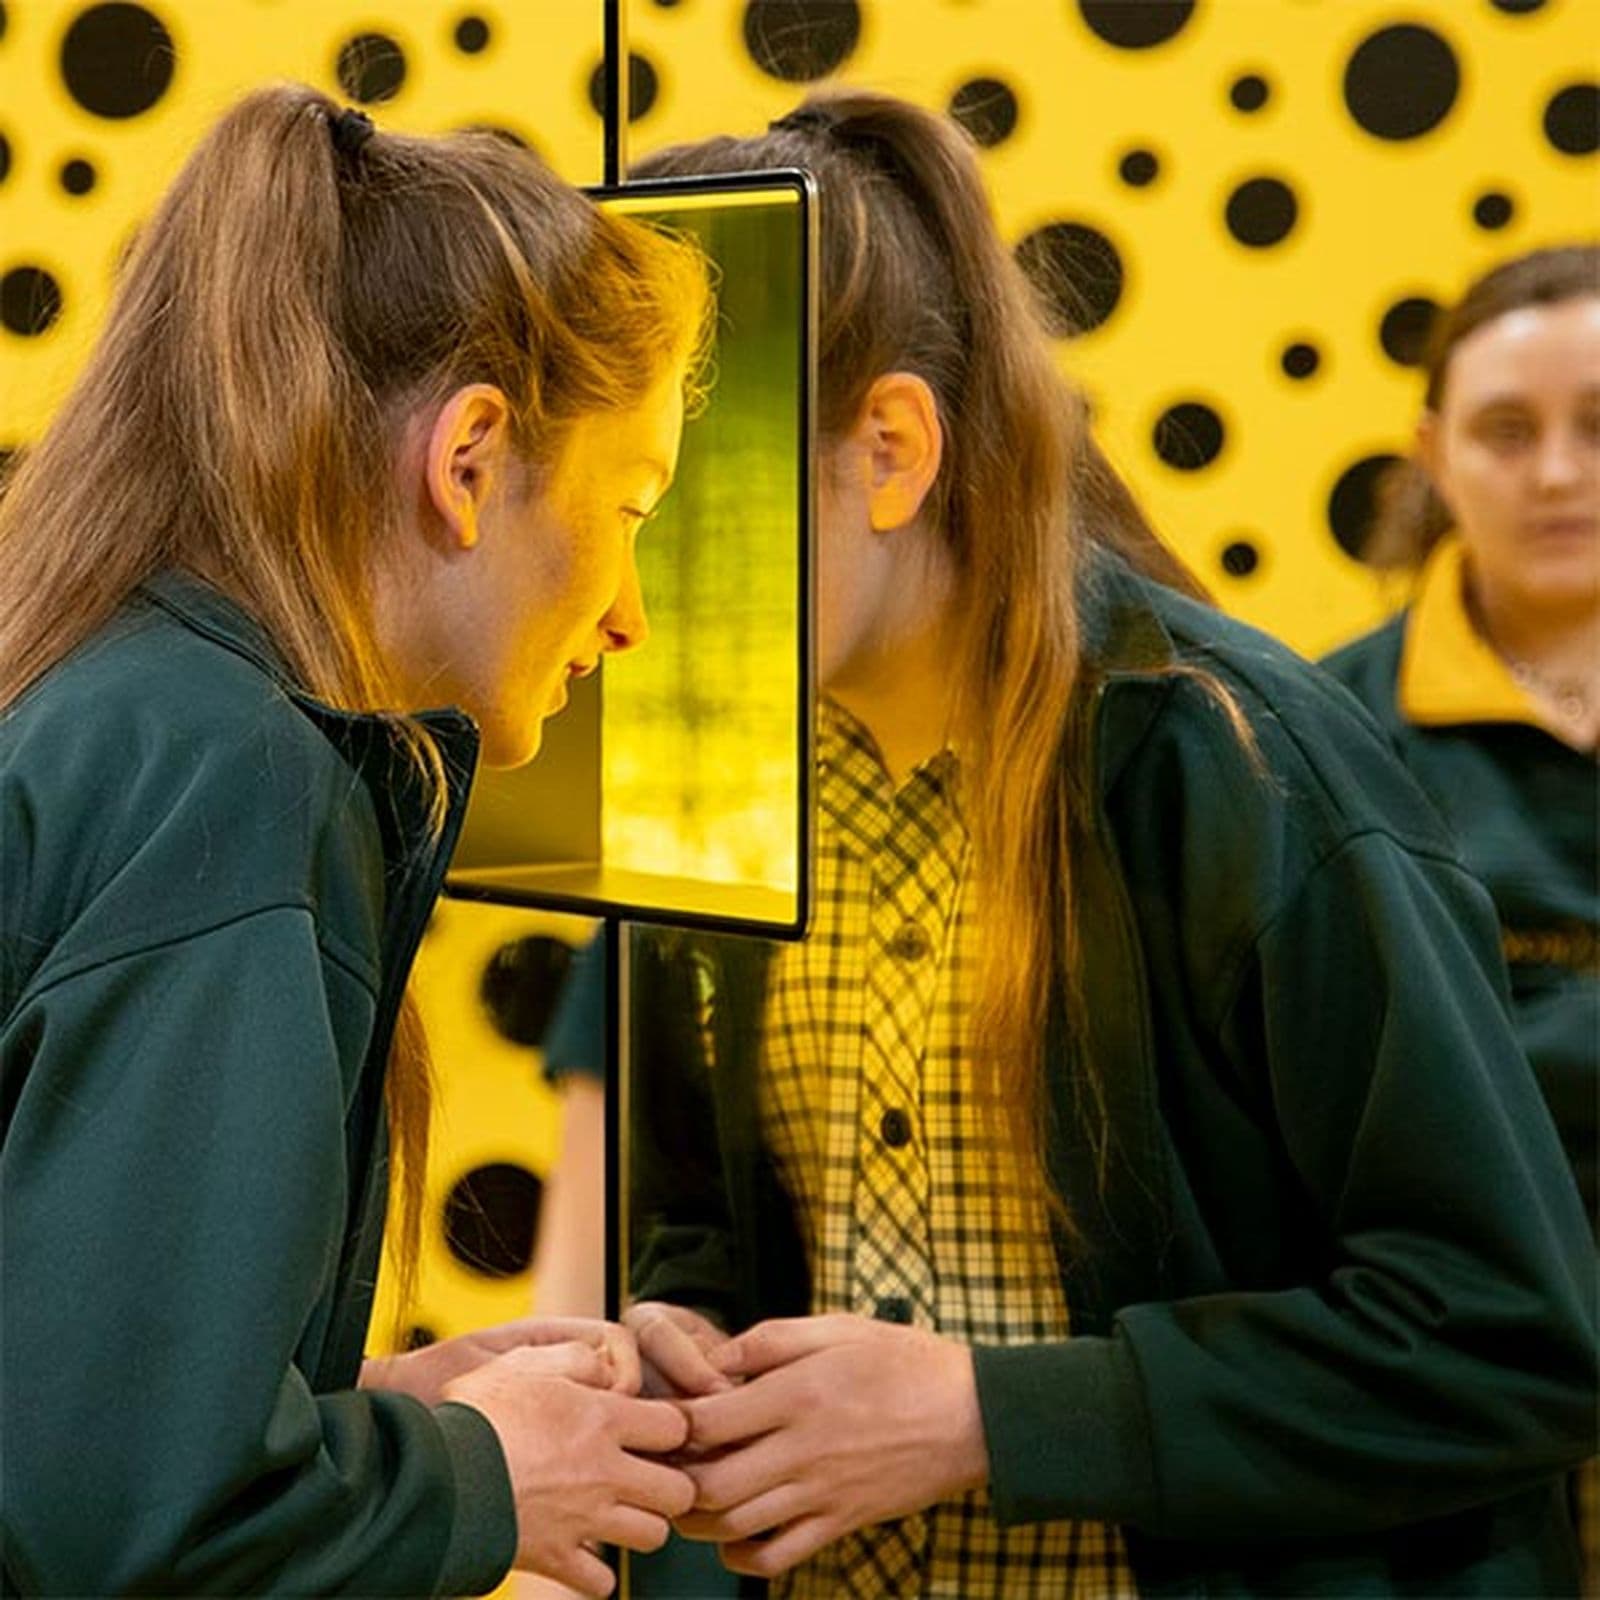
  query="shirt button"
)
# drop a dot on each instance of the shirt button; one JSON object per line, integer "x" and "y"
{"x": 910, "y": 942}
{"x": 893, "y": 1308}
{"x": 895, "y": 1127}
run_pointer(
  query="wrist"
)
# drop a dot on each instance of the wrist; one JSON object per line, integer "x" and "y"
{"x": 967, "y": 1444}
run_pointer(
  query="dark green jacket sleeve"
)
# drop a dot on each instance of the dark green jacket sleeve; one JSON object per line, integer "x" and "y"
{"x": 1443, "y": 1345}
{"x": 174, "y": 1204}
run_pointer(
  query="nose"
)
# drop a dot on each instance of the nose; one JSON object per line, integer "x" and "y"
{"x": 625, "y": 626}
{"x": 1563, "y": 458}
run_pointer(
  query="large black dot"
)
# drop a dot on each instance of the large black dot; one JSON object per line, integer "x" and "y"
{"x": 1572, "y": 119}
{"x": 1250, "y": 92}
{"x": 798, "y": 40}
{"x": 643, "y": 86}
{"x": 521, "y": 985}
{"x": 1493, "y": 209}
{"x": 1262, "y": 212}
{"x": 1188, "y": 436}
{"x": 2, "y": 19}
{"x": 78, "y": 176}
{"x": 491, "y": 1218}
{"x": 1136, "y": 24}
{"x": 117, "y": 60}
{"x": 418, "y": 1337}
{"x": 1354, "y": 501}
{"x": 5, "y": 157}
{"x": 1240, "y": 558}
{"x": 1404, "y": 331}
{"x": 371, "y": 68}
{"x": 1139, "y": 168}
{"x": 1517, "y": 8}
{"x": 1077, "y": 273}
{"x": 987, "y": 109}
{"x": 30, "y": 300}
{"x": 1401, "y": 81}
{"x": 472, "y": 35}
{"x": 1300, "y": 360}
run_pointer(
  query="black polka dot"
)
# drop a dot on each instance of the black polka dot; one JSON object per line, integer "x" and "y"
{"x": 1404, "y": 331}
{"x": 1493, "y": 209}
{"x": 418, "y": 1337}
{"x": 1262, "y": 212}
{"x": 1401, "y": 81}
{"x": 1188, "y": 436}
{"x": 472, "y": 36}
{"x": 1300, "y": 360}
{"x": 798, "y": 40}
{"x": 491, "y": 1218}
{"x": 30, "y": 300}
{"x": 521, "y": 985}
{"x": 371, "y": 68}
{"x": 1249, "y": 93}
{"x": 666, "y": 5}
{"x": 1572, "y": 119}
{"x": 117, "y": 60}
{"x": 1139, "y": 168}
{"x": 1136, "y": 24}
{"x": 643, "y": 87}
{"x": 2, "y": 19}
{"x": 78, "y": 176}
{"x": 1240, "y": 558}
{"x": 1354, "y": 500}
{"x": 5, "y": 157}
{"x": 1077, "y": 272}
{"x": 987, "y": 109}
{"x": 1518, "y": 8}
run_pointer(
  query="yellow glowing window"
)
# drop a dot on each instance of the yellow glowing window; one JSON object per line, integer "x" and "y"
{"x": 676, "y": 785}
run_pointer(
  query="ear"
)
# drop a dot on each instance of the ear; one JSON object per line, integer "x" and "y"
{"x": 901, "y": 443}
{"x": 465, "y": 457}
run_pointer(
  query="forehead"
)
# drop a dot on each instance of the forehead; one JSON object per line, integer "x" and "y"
{"x": 1536, "y": 352}
{"x": 607, "y": 442}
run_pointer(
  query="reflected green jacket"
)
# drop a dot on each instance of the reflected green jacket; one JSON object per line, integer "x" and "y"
{"x": 213, "y": 890}
{"x": 1334, "y": 1316}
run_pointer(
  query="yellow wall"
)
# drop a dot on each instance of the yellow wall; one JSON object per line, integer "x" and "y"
{"x": 1201, "y": 318}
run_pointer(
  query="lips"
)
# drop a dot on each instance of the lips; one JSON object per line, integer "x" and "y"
{"x": 1574, "y": 525}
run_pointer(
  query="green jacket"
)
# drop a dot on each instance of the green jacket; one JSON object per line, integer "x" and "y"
{"x": 213, "y": 891}
{"x": 1526, "y": 808}
{"x": 1334, "y": 1323}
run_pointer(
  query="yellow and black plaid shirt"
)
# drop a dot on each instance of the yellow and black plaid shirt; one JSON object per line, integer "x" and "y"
{"x": 908, "y": 1209}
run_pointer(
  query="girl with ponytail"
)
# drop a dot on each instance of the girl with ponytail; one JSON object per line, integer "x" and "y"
{"x": 1132, "y": 1185}
{"x": 371, "y": 428}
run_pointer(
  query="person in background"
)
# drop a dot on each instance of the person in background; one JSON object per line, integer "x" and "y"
{"x": 1488, "y": 683}
{"x": 371, "y": 428}
{"x": 1133, "y": 1179}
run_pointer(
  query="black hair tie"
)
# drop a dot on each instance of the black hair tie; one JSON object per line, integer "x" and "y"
{"x": 350, "y": 129}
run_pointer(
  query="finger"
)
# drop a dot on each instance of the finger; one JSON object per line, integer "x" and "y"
{"x": 581, "y": 1363}
{"x": 627, "y": 1374}
{"x": 656, "y": 1426}
{"x": 632, "y": 1528}
{"x": 653, "y": 1487}
{"x": 578, "y": 1568}
{"x": 766, "y": 1558}
{"x": 718, "y": 1420}
{"x": 676, "y": 1355}
{"x": 784, "y": 1339}
{"x": 746, "y": 1474}
{"x": 543, "y": 1330}
{"x": 759, "y": 1515}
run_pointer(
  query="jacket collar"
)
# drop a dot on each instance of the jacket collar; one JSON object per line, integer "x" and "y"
{"x": 208, "y": 611}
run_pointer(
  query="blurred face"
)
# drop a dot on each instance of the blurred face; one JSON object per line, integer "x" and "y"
{"x": 1514, "y": 450}
{"x": 555, "y": 585}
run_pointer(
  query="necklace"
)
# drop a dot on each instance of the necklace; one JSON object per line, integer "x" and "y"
{"x": 1571, "y": 697}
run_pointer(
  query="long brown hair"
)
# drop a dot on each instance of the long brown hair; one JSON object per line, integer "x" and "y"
{"x": 915, "y": 277}
{"x": 1411, "y": 518}
{"x": 293, "y": 300}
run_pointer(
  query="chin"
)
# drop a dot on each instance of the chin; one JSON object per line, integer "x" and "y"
{"x": 503, "y": 747}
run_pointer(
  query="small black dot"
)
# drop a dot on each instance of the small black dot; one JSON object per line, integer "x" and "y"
{"x": 1136, "y": 24}
{"x": 30, "y": 300}
{"x": 1404, "y": 331}
{"x": 1240, "y": 558}
{"x": 2, "y": 19}
{"x": 418, "y": 1337}
{"x": 1354, "y": 501}
{"x": 1249, "y": 93}
{"x": 371, "y": 68}
{"x": 1300, "y": 360}
{"x": 666, "y": 5}
{"x": 78, "y": 176}
{"x": 799, "y": 40}
{"x": 117, "y": 60}
{"x": 1077, "y": 273}
{"x": 1518, "y": 8}
{"x": 643, "y": 87}
{"x": 5, "y": 157}
{"x": 1188, "y": 436}
{"x": 1493, "y": 209}
{"x": 1401, "y": 81}
{"x": 1139, "y": 168}
{"x": 472, "y": 36}
{"x": 491, "y": 1218}
{"x": 1262, "y": 212}
{"x": 1572, "y": 119}
{"x": 987, "y": 109}
{"x": 521, "y": 985}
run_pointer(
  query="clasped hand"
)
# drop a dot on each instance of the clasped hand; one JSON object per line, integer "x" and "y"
{"x": 802, "y": 1430}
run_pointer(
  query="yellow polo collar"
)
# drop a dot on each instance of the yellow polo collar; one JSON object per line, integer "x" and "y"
{"x": 1448, "y": 674}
